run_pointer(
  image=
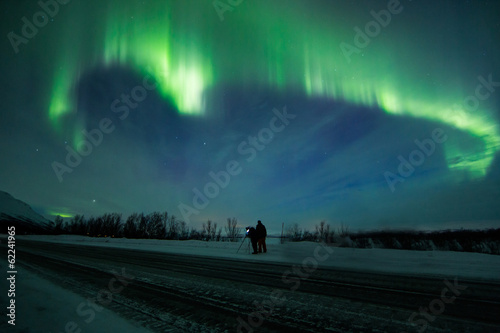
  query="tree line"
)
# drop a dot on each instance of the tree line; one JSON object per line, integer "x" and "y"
{"x": 156, "y": 225}
{"x": 161, "y": 225}
{"x": 322, "y": 232}
{"x": 481, "y": 241}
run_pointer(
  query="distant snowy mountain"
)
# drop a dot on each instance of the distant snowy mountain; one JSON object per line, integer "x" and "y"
{"x": 18, "y": 213}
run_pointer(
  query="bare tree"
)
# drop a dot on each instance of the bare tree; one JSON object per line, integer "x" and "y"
{"x": 343, "y": 230}
{"x": 214, "y": 232}
{"x": 183, "y": 232}
{"x": 156, "y": 227}
{"x": 209, "y": 230}
{"x": 232, "y": 230}
{"x": 322, "y": 231}
{"x": 77, "y": 225}
{"x": 294, "y": 232}
{"x": 195, "y": 234}
{"x": 58, "y": 225}
{"x": 171, "y": 226}
{"x": 307, "y": 236}
{"x": 110, "y": 224}
{"x": 130, "y": 229}
{"x": 142, "y": 230}
{"x": 94, "y": 226}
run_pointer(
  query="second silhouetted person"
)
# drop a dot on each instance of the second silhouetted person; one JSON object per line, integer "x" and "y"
{"x": 261, "y": 236}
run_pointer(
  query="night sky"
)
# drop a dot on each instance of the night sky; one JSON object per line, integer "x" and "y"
{"x": 375, "y": 114}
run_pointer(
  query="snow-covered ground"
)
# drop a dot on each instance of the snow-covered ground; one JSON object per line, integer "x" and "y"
{"x": 42, "y": 306}
{"x": 445, "y": 264}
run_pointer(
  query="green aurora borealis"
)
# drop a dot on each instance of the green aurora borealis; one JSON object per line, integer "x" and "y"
{"x": 361, "y": 103}
{"x": 283, "y": 47}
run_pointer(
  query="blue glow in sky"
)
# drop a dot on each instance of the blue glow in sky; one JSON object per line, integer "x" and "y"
{"x": 124, "y": 106}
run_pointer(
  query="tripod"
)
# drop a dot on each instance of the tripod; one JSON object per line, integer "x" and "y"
{"x": 244, "y": 238}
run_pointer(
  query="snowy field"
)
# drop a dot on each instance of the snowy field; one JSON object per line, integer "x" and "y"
{"x": 42, "y": 303}
{"x": 447, "y": 264}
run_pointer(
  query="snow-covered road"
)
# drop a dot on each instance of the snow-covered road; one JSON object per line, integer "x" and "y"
{"x": 166, "y": 292}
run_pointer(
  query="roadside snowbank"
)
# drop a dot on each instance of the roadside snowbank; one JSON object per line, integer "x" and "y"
{"x": 444, "y": 264}
{"x": 42, "y": 306}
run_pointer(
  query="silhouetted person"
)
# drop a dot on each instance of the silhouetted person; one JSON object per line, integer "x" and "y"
{"x": 261, "y": 236}
{"x": 252, "y": 233}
